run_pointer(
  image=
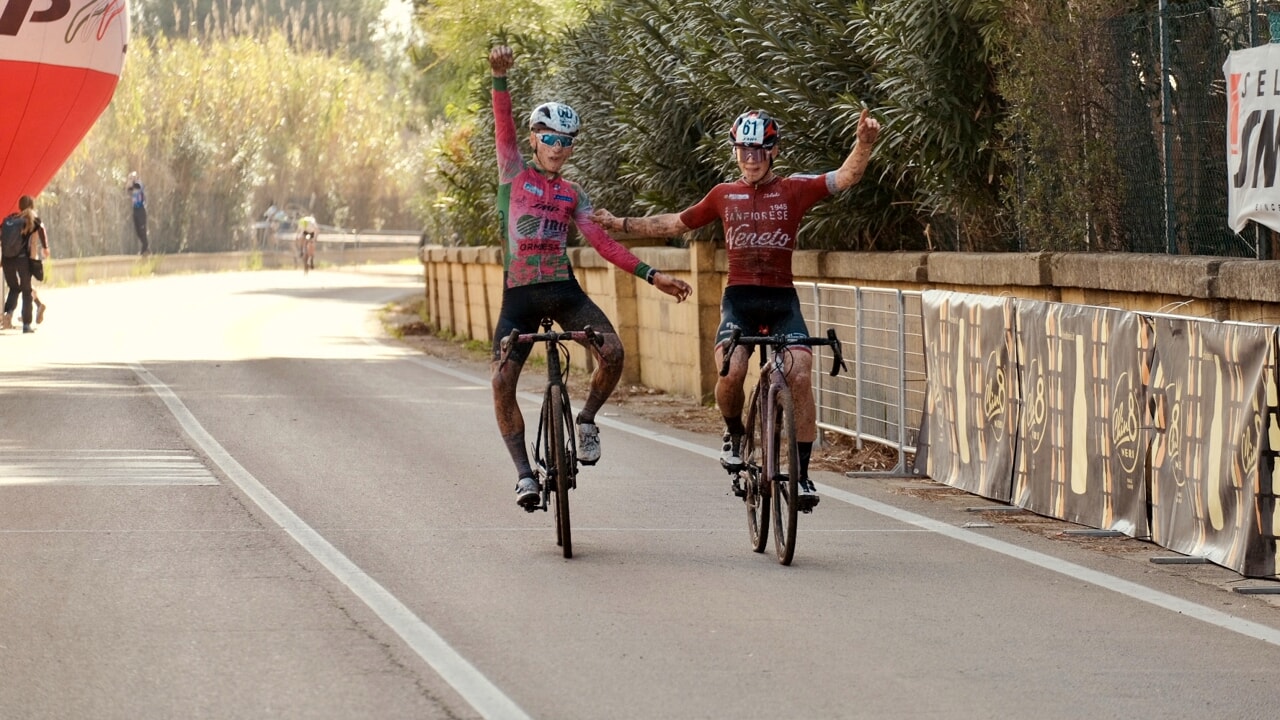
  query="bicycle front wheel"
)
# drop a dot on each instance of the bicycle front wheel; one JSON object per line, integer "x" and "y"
{"x": 785, "y": 466}
{"x": 757, "y": 496}
{"x": 561, "y": 429}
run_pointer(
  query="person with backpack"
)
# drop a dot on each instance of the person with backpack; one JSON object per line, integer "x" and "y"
{"x": 21, "y": 234}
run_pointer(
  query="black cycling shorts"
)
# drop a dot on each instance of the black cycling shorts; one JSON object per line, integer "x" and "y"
{"x": 564, "y": 301}
{"x": 761, "y": 311}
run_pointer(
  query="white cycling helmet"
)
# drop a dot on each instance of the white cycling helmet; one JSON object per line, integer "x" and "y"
{"x": 557, "y": 117}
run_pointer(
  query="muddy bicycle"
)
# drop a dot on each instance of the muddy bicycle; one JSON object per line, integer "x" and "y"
{"x": 555, "y": 452}
{"x": 768, "y": 477}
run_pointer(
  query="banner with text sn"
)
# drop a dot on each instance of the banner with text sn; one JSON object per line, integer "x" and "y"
{"x": 1253, "y": 139}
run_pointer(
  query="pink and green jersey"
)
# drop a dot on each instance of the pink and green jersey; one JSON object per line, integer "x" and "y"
{"x": 537, "y": 210}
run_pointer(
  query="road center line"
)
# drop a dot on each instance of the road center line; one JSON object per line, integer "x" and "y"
{"x": 1134, "y": 590}
{"x": 473, "y": 686}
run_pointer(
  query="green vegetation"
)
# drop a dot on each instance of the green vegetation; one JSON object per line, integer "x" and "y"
{"x": 1009, "y": 124}
{"x": 220, "y": 123}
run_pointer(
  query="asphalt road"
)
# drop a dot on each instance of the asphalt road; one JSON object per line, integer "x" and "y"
{"x": 227, "y": 496}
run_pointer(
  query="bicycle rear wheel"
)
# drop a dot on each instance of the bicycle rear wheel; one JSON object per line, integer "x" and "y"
{"x": 560, "y": 426}
{"x": 757, "y": 495}
{"x": 786, "y": 469}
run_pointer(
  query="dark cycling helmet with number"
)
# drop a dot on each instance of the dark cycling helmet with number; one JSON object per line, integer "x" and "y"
{"x": 755, "y": 128}
{"x": 556, "y": 117}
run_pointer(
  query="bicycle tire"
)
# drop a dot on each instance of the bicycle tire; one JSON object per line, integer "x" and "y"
{"x": 559, "y": 423}
{"x": 541, "y": 452}
{"x": 785, "y": 466}
{"x": 757, "y": 497}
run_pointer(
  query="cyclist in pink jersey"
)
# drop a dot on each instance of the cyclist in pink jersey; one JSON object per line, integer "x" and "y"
{"x": 761, "y": 213}
{"x": 537, "y": 205}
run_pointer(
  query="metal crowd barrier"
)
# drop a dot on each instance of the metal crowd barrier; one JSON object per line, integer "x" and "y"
{"x": 881, "y": 399}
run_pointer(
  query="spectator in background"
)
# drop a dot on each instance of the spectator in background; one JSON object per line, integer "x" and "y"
{"x": 17, "y": 269}
{"x": 37, "y": 248}
{"x": 269, "y": 225}
{"x": 138, "y": 199}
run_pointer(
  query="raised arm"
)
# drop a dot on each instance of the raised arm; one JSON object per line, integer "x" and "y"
{"x": 501, "y": 58}
{"x": 851, "y": 171}
{"x": 510, "y": 163}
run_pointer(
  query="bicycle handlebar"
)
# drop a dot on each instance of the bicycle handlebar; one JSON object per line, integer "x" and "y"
{"x": 586, "y": 334}
{"x": 779, "y": 342}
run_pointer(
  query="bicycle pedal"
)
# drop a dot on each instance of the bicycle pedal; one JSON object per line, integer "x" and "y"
{"x": 807, "y": 503}
{"x": 738, "y": 490}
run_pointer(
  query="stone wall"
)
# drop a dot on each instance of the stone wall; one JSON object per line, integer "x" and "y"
{"x": 669, "y": 345}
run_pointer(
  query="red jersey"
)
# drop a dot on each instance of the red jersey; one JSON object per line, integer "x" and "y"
{"x": 760, "y": 223}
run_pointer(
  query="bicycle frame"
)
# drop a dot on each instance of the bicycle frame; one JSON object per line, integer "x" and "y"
{"x": 770, "y": 452}
{"x": 555, "y": 449}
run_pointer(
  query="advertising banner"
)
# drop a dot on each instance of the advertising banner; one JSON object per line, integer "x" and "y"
{"x": 1253, "y": 140}
{"x": 1214, "y": 405}
{"x": 1084, "y": 430}
{"x": 970, "y": 411}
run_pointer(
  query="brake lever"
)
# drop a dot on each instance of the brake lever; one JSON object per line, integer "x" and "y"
{"x": 505, "y": 346}
{"x": 837, "y": 362}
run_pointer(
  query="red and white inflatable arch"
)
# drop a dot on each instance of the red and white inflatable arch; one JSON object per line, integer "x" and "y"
{"x": 60, "y": 61}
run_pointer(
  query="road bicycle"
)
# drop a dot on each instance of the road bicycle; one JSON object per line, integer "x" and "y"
{"x": 555, "y": 451}
{"x": 308, "y": 252}
{"x": 770, "y": 454}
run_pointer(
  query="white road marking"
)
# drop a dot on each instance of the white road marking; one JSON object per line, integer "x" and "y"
{"x": 1133, "y": 590}
{"x": 103, "y": 467}
{"x": 471, "y": 684}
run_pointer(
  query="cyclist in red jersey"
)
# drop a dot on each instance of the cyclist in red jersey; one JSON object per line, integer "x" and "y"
{"x": 761, "y": 213}
{"x": 537, "y": 205}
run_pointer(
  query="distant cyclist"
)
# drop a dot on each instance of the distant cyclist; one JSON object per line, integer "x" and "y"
{"x": 761, "y": 213}
{"x": 537, "y": 205}
{"x": 306, "y": 241}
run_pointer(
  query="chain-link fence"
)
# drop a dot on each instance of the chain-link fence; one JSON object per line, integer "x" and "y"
{"x": 1154, "y": 116}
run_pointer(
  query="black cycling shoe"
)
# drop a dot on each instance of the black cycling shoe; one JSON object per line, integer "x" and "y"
{"x": 808, "y": 496}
